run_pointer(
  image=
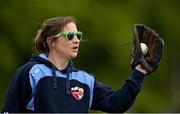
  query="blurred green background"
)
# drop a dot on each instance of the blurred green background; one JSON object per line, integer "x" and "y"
{"x": 106, "y": 25}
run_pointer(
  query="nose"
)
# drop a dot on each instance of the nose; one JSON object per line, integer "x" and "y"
{"x": 75, "y": 40}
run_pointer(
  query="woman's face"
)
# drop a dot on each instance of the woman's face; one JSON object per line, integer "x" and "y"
{"x": 67, "y": 48}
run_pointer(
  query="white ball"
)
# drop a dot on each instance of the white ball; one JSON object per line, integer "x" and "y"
{"x": 144, "y": 48}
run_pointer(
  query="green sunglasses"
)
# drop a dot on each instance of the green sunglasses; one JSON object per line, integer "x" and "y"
{"x": 70, "y": 35}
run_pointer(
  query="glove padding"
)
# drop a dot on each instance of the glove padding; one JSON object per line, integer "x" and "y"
{"x": 144, "y": 34}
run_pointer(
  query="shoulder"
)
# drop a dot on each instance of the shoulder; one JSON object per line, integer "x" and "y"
{"x": 39, "y": 69}
{"x": 24, "y": 69}
{"x": 21, "y": 77}
{"x": 83, "y": 73}
{"x": 83, "y": 76}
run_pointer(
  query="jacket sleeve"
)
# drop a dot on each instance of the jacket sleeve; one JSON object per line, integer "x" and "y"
{"x": 107, "y": 100}
{"x": 19, "y": 92}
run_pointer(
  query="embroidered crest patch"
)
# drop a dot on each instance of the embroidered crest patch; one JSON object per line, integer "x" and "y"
{"x": 77, "y": 92}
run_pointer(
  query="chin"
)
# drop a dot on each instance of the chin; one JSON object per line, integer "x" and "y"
{"x": 74, "y": 55}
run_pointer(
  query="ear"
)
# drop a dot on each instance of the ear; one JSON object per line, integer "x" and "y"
{"x": 50, "y": 42}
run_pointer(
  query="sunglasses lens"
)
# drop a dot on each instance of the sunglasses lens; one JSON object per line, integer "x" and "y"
{"x": 70, "y": 36}
{"x": 79, "y": 36}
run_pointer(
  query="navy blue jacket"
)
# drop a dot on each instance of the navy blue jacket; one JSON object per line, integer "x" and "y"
{"x": 38, "y": 86}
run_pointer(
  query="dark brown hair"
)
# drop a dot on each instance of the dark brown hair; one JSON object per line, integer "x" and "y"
{"x": 50, "y": 27}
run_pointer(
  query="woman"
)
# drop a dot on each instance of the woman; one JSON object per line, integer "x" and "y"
{"x": 50, "y": 83}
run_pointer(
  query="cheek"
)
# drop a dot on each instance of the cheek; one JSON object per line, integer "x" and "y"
{"x": 62, "y": 45}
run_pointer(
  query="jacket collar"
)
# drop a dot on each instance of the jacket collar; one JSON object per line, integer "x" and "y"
{"x": 42, "y": 58}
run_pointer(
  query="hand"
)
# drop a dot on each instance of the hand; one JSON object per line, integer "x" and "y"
{"x": 155, "y": 45}
{"x": 139, "y": 68}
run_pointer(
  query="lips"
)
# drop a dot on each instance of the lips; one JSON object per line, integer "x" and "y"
{"x": 75, "y": 48}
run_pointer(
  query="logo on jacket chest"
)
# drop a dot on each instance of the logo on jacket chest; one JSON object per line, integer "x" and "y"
{"x": 77, "y": 92}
